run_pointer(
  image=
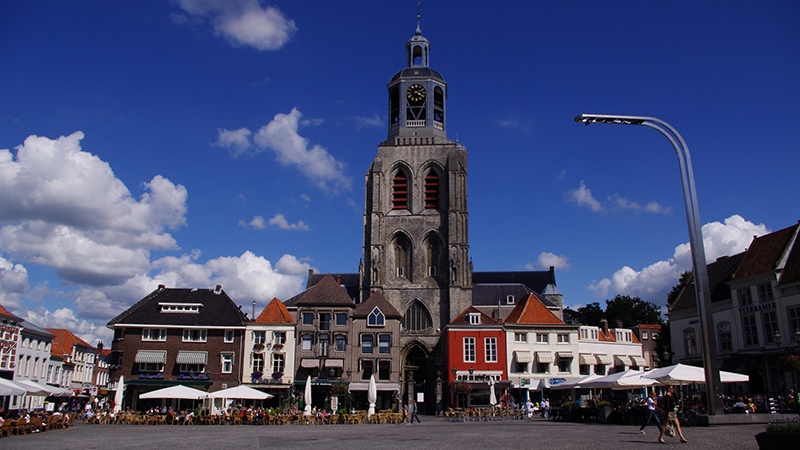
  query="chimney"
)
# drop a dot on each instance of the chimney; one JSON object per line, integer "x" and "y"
{"x": 339, "y": 279}
{"x": 604, "y": 326}
{"x": 100, "y": 346}
{"x": 161, "y": 287}
{"x": 619, "y": 324}
{"x": 218, "y": 289}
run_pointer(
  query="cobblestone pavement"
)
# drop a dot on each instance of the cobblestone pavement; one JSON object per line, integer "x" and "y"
{"x": 433, "y": 433}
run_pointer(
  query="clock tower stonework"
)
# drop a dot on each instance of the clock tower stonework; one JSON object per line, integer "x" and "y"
{"x": 416, "y": 239}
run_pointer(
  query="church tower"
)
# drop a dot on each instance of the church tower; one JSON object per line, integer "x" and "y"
{"x": 416, "y": 240}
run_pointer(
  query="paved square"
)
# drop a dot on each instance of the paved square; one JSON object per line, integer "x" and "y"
{"x": 432, "y": 433}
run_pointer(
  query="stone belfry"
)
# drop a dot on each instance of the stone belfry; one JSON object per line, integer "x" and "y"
{"x": 416, "y": 240}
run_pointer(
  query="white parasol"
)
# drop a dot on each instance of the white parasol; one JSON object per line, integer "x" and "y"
{"x": 180, "y": 392}
{"x": 372, "y": 395}
{"x": 119, "y": 395}
{"x": 307, "y": 397}
{"x": 492, "y": 394}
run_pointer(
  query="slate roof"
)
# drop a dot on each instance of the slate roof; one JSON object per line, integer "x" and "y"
{"x": 274, "y": 312}
{"x": 218, "y": 309}
{"x": 350, "y": 281}
{"x": 326, "y": 292}
{"x": 65, "y": 340}
{"x": 27, "y": 326}
{"x": 765, "y": 252}
{"x": 490, "y": 293}
{"x": 461, "y": 319}
{"x": 417, "y": 72}
{"x": 376, "y": 299}
{"x": 537, "y": 281}
{"x": 531, "y": 310}
{"x": 719, "y": 273}
{"x": 791, "y": 272}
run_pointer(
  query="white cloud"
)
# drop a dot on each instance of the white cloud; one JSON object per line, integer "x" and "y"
{"x": 280, "y": 221}
{"x": 256, "y": 223}
{"x": 305, "y": 198}
{"x": 236, "y": 141}
{"x": 90, "y": 331}
{"x": 64, "y": 208}
{"x": 583, "y": 197}
{"x": 547, "y": 260}
{"x": 314, "y": 162}
{"x": 242, "y": 22}
{"x": 652, "y": 283}
{"x": 368, "y": 122}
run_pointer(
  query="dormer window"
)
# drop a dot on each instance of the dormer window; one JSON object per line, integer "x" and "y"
{"x": 376, "y": 318}
{"x": 509, "y": 300}
{"x": 190, "y": 308}
{"x": 474, "y": 318}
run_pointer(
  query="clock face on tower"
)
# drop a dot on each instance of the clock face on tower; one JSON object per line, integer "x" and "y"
{"x": 415, "y": 93}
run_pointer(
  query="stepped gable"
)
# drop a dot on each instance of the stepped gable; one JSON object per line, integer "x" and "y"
{"x": 376, "y": 299}
{"x": 719, "y": 273}
{"x": 325, "y": 292}
{"x": 217, "y": 309}
{"x": 274, "y": 312}
{"x": 765, "y": 253}
{"x": 462, "y": 318}
{"x": 530, "y": 310}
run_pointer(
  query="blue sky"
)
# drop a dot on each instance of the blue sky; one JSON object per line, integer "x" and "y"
{"x": 194, "y": 143}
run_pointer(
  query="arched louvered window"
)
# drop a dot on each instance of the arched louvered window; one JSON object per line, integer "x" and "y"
{"x": 431, "y": 190}
{"x": 417, "y": 317}
{"x": 400, "y": 190}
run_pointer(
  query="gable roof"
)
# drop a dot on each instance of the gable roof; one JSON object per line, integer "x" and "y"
{"x": 791, "y": 272}
{"x": 376, "y": 299}
{"x": 765, "y": 252}
{"x": 274, "y": 312}
{"x": 5, "y": 312}
{"x": 719, "y": 273}
{"x": 489, "y": 294}
{"x": 537, "y": 281}
{"x": 530, "y": 310}
{"x": 462, "y": 318}
{"x": 66, "y": 340}
{"x": 350, "y": 282}
{"x": 326, "y": 292}
{"x": 217, "y": 309}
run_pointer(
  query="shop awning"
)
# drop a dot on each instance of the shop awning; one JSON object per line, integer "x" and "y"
{"x": 544, "y": 357}
{"x": 638, "y": 361}
{"x": 565, "y": 355}
{"x": 334, "y": 363}
{"x": 151, "y": 356}
{"x": 308, "y": 363}
{"x": 363, "y": 386}
{"x": 587, "y": 359}
{"x": 622, "y": 360}
{"x": 185, "y": 357}
{"x": 522, "y": 357}
{"x": 604, "y": 359}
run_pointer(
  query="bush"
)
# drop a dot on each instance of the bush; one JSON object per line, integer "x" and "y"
{"x": 603, "y": 403}
{"x": 784, "y": 427}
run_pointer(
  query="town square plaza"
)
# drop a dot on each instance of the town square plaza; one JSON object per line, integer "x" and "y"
{"x": 432, "y": 433}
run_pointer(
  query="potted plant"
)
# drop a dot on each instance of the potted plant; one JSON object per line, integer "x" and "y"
{"x": 276, "y": 377}
{"x": 779, "y": 435}
{"x": 339, "y": 389}
{"x": 603, "y": 411}
{"x": 258, "y": 347}
{"x": 255, "y": 376}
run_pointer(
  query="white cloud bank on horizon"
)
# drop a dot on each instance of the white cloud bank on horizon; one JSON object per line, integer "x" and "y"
{"x": 241, "y": 22}
{"x": 653, "y": 282}
{"x": 291, "y": 149}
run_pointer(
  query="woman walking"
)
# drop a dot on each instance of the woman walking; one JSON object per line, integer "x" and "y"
{"x": 671, "y": 407}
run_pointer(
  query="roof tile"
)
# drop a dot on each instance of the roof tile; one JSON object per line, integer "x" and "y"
{"x": 274, "y": 312}
{"x": 531, "y": 310}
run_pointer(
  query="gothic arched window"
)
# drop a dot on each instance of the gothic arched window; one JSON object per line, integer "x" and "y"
{"x": 400, "y": 190}
{"x": 431, "y": 190}
{"x": 433, "y": 251}
{"x": 402, "y": 256}
{"x": 417, "y": 317}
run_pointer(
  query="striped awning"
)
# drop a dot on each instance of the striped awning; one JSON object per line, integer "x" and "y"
{"x": 522, "y": 357}
{"x": 604, "y": 359}
{"x": 544, "y": 357}
{"x": 565, "y": 355}
{"x": 622, "y": 360}
{"x": 308, "y": 363}
{"x": 638, "y": 361}
{"x": 334, "y": 363}
{"x": 185, "y": 357}
{"x": 151, "y": 356}
{"x": 587, "y": 359}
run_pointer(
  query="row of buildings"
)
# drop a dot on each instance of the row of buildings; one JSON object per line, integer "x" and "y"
{"x": 201, "y": 338}
{"x": 49, "y": 357}
{"x": 755, "y": 299}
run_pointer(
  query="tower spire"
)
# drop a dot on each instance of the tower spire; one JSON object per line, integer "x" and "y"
{"x": 418, "y": 32}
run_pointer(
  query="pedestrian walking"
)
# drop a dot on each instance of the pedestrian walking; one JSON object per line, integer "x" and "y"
{"x": 414, "y": 413}
{"x": 651, "y": 412}
{"x": 671, "y": 407}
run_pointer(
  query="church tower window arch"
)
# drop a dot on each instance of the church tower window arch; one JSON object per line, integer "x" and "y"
{"x": 403, "y": 256}
{"x": 417, "y": 317}
{"x": 401, "y": 189}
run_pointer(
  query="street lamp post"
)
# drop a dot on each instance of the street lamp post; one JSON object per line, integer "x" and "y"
{"x": 700, "y": 271}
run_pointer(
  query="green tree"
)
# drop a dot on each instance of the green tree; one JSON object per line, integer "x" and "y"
{"x": 683, "y": 281}
{"x": 632, "y": 311}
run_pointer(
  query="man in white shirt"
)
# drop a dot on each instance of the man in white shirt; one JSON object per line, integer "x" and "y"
{"x": 651, "y": 412}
